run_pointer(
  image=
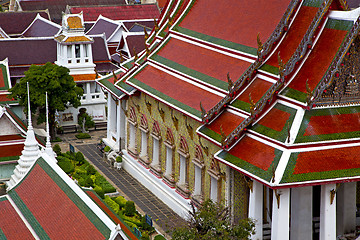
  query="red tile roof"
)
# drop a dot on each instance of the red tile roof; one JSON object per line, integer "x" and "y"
{"x": 58, "y": 215}
{"x": 227, "y": 121}
{"x": 294, "y": 35}
{"x": 319, "y": 125}
{"x": 257, "y": 89}
{"x": 319, "y": 60}
{"x": 41, "y": 28}
{"x": 12, "y": 150}
{"x": 2, "y": 82}
{"x": 236, "y": 21}
{"x": 254, "y": 152}
{"x": 10, "y": 137}
{"x": 327, "y": 160}
{"x": 203, "y": 60}
{"x": 11, "y": 224}
{"x": 136, "y": 42}
{"x": 275, "y": 119}
{"x": 124, "y": 12}
{"x": 177, "y": 89}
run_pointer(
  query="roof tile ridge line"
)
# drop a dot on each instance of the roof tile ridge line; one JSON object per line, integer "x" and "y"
{"x": 38, "y": 17}
{"x": 252, "y": 70}
{"x": 185, "y": 78}
{"x": 26, "y": 39}
{"x": 27, "y": 224}
{"x": 164, "y": 22}
{"x": 180, "y": 17}
{"x": 307, "y": 41}
{"x": 78, "y": 191}
{"x": 205, "y": 84}
{"x": 200, "y": 134}
{"x": 281, "y": 167}
{"x": 5, "y": 62}
{"x": 334, "y": 67}
{"x": 111, "y": 92}
{"x": 4, "y": 33}
{"x": 166, "y": 102}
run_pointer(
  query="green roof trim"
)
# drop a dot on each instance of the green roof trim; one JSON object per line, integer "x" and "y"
{"x": 294, "y": 94}
{"x": 3, "y": 198}
{"x": 2, "y": 235}
{"x": 270, "y": 69}
{"x": 290, "y": 177}
{"x": 300, "y": 138}
{"x": 166, "y": 98}
{"x": 11, "y": 158}
{"x": 198, "y": 75}
{"x": 312, "y": 3}
{"x": 111, "y": 87}
{"x": 5, "y": 77}
{"x": 105, "y": 231}
{"x": 339, "y": 24}
{"x": 210, "y": 133}
{"x": 282, "y": 135}
{"x": 241, "y": 105}
{"x": 30, "y": 218}
{"x": 265, "y": 175}
{"x": 218, "y": 41}
{"x": 128, "y": 64}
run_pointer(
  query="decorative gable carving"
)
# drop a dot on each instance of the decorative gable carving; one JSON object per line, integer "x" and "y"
{"x": 169, "y": 139}
{"x": 144, "y": 124}
{"x": 183, "y": 147}
{"x": 215, "y": 170}
{"x": 132, "y": 116}
{"x": 156, "y": 132}
{"x": 199, "y": 157}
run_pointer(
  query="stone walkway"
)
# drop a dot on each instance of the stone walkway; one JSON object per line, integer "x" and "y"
{"x": 163, "y": 217}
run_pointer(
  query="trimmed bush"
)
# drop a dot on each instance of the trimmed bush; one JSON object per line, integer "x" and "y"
{"x": 130, "y": 208}
{"x": 88, "y": 182}
{"x": 57, "y": 149}
{"x": 66, "y": 166}
{"x": 121, "y": 201}
{"x": 79, "y": 157}
{"x": 82, "y": 135}
{"x": 56, "y": 139}
{"x": 107, "y": 149}
{"x": 119, "y": 159}
{"x": 112, "y": 204}
{"x": 145, "y": 236}
{"x": 159, "y": 237}
{"x": 91, "y": 170}
{"x": 99, "y": 191}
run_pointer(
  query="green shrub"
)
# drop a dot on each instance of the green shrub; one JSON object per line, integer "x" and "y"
{"x": 130, "y": 208}
{"x": 159, "y": 237}
{"x": 57, "y": 149}
{"x": 56, "y": 139}
{"x": 145, "y": 236}
{"x": 107, "y": 149}
{"x": 91, "y": 170}
{"x": 104, "y": 184}
{"x": 130, "y": 224}
{"x": 99, "y": 191}
{"x": 112, "y": 204}
{"x": 121, "y": 201}
{"x": 144, "y": 225}
{"x": 88, "y": 182}
{"x": 79, "y": 157}
{"x": 119, "y": 159}
{"x": 66, "y": 166}
{"x": 82, "y": 135}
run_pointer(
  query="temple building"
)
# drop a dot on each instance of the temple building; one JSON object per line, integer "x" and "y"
{"x": 254, "y": 104}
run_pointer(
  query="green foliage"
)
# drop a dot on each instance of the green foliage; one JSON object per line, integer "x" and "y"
{"x": 211, "y": 221}
{"x": 84, "y": 116}
{"x": 56, "y": 139}
{"x": 56, "y": 81}
{"x": 119, "y": 159}
{"x": 112, "y": 204}
{"x": 107, "y": 149}
{"x": 90, "y": 170}
{"x": 121, "y": 201}
{"x": 89, "y": 182}
{"x": 145, "y": 226}
{"x": 159, "y": 237}
{"x": 1, "y": 9}
{"x": 130, "y": 209}
{"x": 99, "y": 191}
{"x": 145, "y": 236}
{"x": 57, "y": 149}
{"x": 79, "y": 157}
{"x": 66, "y": 166}
{"x": 82, "y": 136}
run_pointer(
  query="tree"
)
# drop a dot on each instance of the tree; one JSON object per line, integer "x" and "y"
{"x": 212, "y": 221}
{"x": 85, "y": 120}
{"x": 51, "y": 78}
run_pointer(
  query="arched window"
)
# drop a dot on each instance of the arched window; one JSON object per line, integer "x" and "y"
{"x": 144, "y": 128}
{"x": 132, "y": 132}
{"x": 198, "y": 161}
{"x": 156, "y": 160}
{"x": 183, "y": 183}
{"x": 169, "y": 170}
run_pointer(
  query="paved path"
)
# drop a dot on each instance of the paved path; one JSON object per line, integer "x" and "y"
{"x": 147, "y": 202}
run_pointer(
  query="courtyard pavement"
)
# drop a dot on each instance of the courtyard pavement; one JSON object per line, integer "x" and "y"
{"x": 164, "y": 218}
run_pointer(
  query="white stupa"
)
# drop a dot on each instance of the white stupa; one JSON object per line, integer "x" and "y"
{"x": 30, "y": 153}
{"x": 48, "y": 148}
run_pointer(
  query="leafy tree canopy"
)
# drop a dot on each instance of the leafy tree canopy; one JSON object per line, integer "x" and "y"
{"x": 51, "y": 78}
{"x": 212, "y": 221}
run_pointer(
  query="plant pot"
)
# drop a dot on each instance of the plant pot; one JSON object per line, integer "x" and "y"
{"x": 118, "y": 165}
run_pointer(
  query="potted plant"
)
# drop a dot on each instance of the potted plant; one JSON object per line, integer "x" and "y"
{"x": 106, "y": 152}
{"x": 118, "y": 162}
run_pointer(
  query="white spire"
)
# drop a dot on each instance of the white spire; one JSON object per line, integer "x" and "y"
{"x": 29, "y": 154}
{"x": 48, "y": 148}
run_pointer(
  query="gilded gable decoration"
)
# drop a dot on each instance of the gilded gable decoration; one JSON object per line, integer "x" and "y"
{"x": 132, "y": 116}
{"x": 214, "y": 170}
{"x": 199, "y": 157}
{"x": 156, "y": 132}
{"x": 183, "y": 147}
{"x": 144, "y": 124}
{"x": 169, "y": 139}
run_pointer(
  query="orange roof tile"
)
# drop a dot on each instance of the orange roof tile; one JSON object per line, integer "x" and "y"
{"x": 227, "y": 121}
{"x": 84, "y": 77}
{"x": 275, "y": 119}
{"x": 11, "y": 150}
{"x": 74, "y": 22}
{"x": 257, "y": 89}
{"x": 78, "y": 39}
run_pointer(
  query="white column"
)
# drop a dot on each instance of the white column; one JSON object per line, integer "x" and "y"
{"x": 143, "y": 150}
{"x": 88, "y": 92}
{"x": 214, "y": 189}
{"x": 169, "y": 157}
{"x": 281, "y": 215}
{"x": 197, "y": 190}
{"x": 346, "y": 208}
{"x": 182, "y": 172}
{"x": 118, "y": 109}
{"x": 155, "y": 160}
{"x": 109, "y": 115}
{"x": 327, "y": 213}
{"x": 256, "y": 209}
{"x": 132, "y": 137}
{"x": 301, "y": 213}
